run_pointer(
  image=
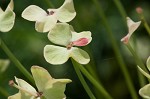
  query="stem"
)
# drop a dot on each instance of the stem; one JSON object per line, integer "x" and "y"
{"x": 146, "y": 25}
{"x": 91, "y": 79}
{"x": 81, "y": 78}
{"x": 3, "y": 92}
{"x": 117, "y": 52}
{"x": 15, "y": 61}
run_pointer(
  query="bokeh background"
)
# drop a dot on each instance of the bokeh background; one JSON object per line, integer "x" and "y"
{"x": 27, "y": 45}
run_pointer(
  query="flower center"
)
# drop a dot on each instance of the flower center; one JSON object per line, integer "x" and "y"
{"x": 69, "y": 46}
{"x": 51, "y": 13}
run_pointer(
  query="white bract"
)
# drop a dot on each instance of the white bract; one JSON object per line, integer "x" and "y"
{"x": 7, "y": 18}
{"x": 48, "y": 87}
{"x": 132, "y": 26}
{"x": 46, "y": 21}
{"x": 64, "y": 35}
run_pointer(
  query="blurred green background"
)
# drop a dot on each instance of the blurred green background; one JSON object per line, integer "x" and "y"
{"x": 27, "y": 45}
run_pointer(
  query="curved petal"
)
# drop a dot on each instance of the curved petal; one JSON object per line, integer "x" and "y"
{"x": 80, "y": 55}
{"x": 51, "y": 88}
{"x": 148, "y": 63}
{"x": 66, "y": 12}
{"x": 45, "y": 24}
{"x": 33, "y": 13}
{"x": 10, "y": 5}
{"x": 144, "y": 73}
{"x": 60, "y": 34}
{"x": 145, "y": 91}
{"x": 55, "y": 54}
{"x": 7, "y": 20}
{"x": 84, "y": 34}
{"x": 15, "y": 96}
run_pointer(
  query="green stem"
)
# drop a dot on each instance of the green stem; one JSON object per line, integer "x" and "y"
{"x": 116, "y": 50}
{"x": 81, "y": 78}
{"x": 146, "y": 26}
{"x": 15, "y": 61}
{"x": 3, "y": 92}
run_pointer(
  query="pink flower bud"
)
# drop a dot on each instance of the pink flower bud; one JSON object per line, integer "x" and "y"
{"x": 139, "y": 10}
{"x": 125, "y": 39}
{"x": 80, "y": 42}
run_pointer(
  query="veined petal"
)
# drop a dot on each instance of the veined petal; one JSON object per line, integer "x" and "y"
{"x": 33, "y": 13}
{"x": 60, "y": 34}
{"x": 148, "y": 63}
{"x": 145, "y": 91}
{"x": 7, "y": 20}
{"x": 45, "y": 24}
{"x": 84, "y": 34}
{"x": 50, "y": 87}
{"x": 80, "y": 55}
{"x": 66, "y": 12}
{"x": 15, "y": 96}
{"x": 55, "y": 54}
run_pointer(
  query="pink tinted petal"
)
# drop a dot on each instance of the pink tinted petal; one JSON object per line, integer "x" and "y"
{"x": 81, "y": 42}
{"x": 125, "y": 39}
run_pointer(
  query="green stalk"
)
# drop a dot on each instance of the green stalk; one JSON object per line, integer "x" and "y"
{"x": 116, "y": 50}
{"x": 146, "y": 25}
{"x": 3, "y": 92}
{"x": 15, "y": 61}
{"x": 81, "y": 78}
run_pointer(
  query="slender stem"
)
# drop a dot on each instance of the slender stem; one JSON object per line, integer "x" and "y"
{"x": 81, "y": 78}
{"x": 146, "y": 25}
{"x": 116, "y": 50}
{"x": 15, "y": 61}
{"x": 3, "y": 92}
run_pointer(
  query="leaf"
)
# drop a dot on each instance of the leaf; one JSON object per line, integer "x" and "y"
{"x": 80, "y": 55}
{"x": 66, "y": 12}
{"x": 55, "y": 54}
{"x": 148, "y": 63}
{"x": 145, "y": 91}
{"x": 60, "y": 34}
{"x": 4, "y": 63}
{"x": 33, "y": 13}
{"x": 144, "y": 73}
{"x": 50, "y": 87}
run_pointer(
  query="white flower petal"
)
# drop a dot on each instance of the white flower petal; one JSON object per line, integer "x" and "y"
{"x": 148, "y": 63}
{"x": 144, "y": 73}
{"x": 145, "y": 91}
{"x": 15, "y": 96}
{"x": 55, "y": 54}
{"x": 4, "y": 63}
{"x": 10, "y": 5}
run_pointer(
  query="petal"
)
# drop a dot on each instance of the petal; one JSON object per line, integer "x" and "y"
{"x": 66, "y": 12}
{"x": 7, "y": 20}
{"x": 51, "y": 88}
{"x": 144, "y": 73}
{"x": 60, "y": 34}
{"x": 15, "y": 96}
{"x": 132, "y": 26}
{"x": 45, "y": 24}
{"x": 80, "y": 55}
{"x": 55, "y": 54}
{"x": 145, "y": 91}
{"x": 33, "y": 13}
{"x": 10, "y": 5}
{"x": 148, "y": 63}
{"x": 3, "y": 64}
{"x": 84, "y": 34}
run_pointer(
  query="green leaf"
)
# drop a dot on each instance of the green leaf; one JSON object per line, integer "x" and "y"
{"x": 55, "y": 54}
{"x": 66, "y": 12}
{"x": 4, "y": 63}
{"x": 60, "y": 34}
{"x": 84, "y": 34}
{"x": 45, "y": 24}
{"x": 80, "y": 55}
{"x": 33, "y": 13}
{"x": 145, "y": 91}
{"x": 144, "y": 73}
{"x": 7, "y": 20}
{"x": 148, "y": 63}
{"x": 50, "y": 87}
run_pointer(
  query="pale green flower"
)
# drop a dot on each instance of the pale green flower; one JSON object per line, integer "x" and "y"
{"x": 64, "y": 35}
{"x": 4, "y": 63}
{"x": 48, "y": 87}
{"x": 7, "y": 18}
{"x": 132, "y": 26}
{"x": 46, "y": 21}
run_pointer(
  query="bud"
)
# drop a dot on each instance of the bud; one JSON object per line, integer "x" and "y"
{"x": 139, "y": 10}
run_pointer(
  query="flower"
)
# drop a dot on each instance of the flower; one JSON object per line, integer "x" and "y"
{"x": 4, "y": 63}
{"x": 64, "y": 35}
{"x": 48, "y": 87}
{"x": 132, "y": 26}
{"x": 46, "y": 21}
{"x": 7, "y": 18}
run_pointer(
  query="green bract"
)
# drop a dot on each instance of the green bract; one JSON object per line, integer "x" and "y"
{"x": 48, "y": 87}
{"x": 3, "y": 64}
{"x": 7, "y": 18}
{"x": 46, "y": 21}
{"x": 62, "y": 34}
{"x": 132, "y": 26}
